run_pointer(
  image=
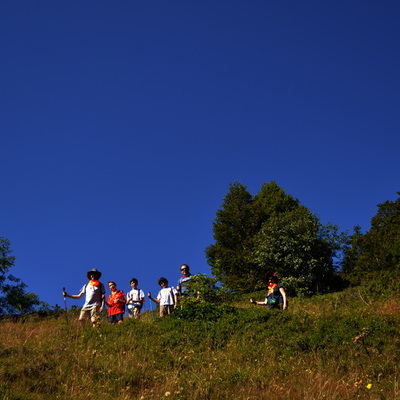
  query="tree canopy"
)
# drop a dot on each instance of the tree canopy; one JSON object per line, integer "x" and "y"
{"x": 378, "y": 250}
{"x": 13, "y": 298}
{"x": 271, "y": 231}
{"x": 234, "y": 228}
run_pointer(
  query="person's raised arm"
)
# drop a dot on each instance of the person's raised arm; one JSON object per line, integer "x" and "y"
{"x": 152, "y": 298}
{"x": 257, "y": 303}
{"x": 72, "y": 296}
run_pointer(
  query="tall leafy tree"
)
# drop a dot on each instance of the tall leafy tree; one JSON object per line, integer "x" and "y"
{"x": 270, "y": 231}
{"x": 272, "y": 200}
{"x": 230, "y": 255}
{"x": 237, "y": 236}
{"x": 378, "y": 250}
{"x": 296, "y": 246}
{"x": 13, "y": 298}
{"x": 352, "y": 252}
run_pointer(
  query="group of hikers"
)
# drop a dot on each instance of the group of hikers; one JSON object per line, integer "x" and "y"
{"x": 167, "y": 298}
{"x": 95, "y": 297}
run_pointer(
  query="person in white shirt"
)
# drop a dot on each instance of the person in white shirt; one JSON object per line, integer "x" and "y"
{"x": 167, "y": 297}
{"x": 94, "y": 293}
{"x": 134, "y": 299}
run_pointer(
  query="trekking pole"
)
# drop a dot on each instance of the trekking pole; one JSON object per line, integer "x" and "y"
{"x": 152, "y": 311}
{"x": 151, "y": 306}
{"x": 65, "y": 305}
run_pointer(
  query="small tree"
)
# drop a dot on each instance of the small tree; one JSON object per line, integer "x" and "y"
{"x": 13, "y": 298}
{"x": 201, "y": 289}
{"x": 203, "y": 300}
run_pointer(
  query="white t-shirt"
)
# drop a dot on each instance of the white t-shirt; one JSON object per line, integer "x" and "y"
{"x": 93, "y": 295}
{"x": 135, "y": 295}
{"x": 166, "y": 296}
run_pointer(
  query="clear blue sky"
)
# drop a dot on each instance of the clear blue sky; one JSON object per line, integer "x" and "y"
{"x": 124, "y": 122}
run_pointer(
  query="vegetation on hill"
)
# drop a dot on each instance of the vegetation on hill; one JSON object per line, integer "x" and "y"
{"x": 272, "y": 231}
{"x": 378, "y": 250}
{"x": 344, "y": 345}
{"x": 337, "y": 346}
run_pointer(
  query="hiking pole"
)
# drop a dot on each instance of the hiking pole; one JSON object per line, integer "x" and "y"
{"x": 65, "y": 305}
{"x": 152, "y": 311}
{"x": 151, "y": 306}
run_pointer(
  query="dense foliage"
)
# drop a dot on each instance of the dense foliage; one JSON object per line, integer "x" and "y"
{"x": 272, "y": 231}
{"x": 201, "y": 289}
{"x": 13, "y": 298}
{"x": 235, "y": 225}
{"x": 378, "y": 250}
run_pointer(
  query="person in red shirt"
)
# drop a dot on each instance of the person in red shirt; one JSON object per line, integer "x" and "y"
{"x": 116, "y": 304}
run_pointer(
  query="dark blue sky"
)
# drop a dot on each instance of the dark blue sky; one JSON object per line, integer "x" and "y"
{"x": 124, "y": 122}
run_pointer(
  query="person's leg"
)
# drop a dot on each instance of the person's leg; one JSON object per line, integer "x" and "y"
{"x": 95, "y": 316}
{"x": 84, "y": 316}
{"x": 131, "y": 311}
{"x": 119, "y": 318}
{"x": 163, "y": 311}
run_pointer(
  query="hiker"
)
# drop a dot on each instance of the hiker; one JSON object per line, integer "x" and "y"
{"x": 276, "y": 294}
{"x": 134, "y": 299}
{"x": 166, "y": 298}
{"x": 94, "y": 293}
{"x": 116, "y": 304}
{"x": 184, "y": 279}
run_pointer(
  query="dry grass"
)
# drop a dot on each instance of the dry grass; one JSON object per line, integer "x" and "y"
{"x": 305, "y": 354}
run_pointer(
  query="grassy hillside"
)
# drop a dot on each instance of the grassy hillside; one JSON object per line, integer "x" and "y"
{"x": 338, "y": 346}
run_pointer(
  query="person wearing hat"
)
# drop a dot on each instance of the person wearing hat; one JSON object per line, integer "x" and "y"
{"x": 94, "y": 293}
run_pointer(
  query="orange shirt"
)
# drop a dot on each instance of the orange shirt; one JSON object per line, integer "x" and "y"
{"x": 116, "y": 308}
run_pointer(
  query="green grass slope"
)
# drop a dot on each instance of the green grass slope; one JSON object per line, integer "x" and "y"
{"x": 338, "y": 346}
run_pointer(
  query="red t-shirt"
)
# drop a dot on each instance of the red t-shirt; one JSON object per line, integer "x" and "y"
{"x": 116, "y": 308}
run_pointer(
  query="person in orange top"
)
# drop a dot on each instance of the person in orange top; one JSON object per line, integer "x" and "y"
{"x": 116, "y": 304}
{"x": 276, "y": 294}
